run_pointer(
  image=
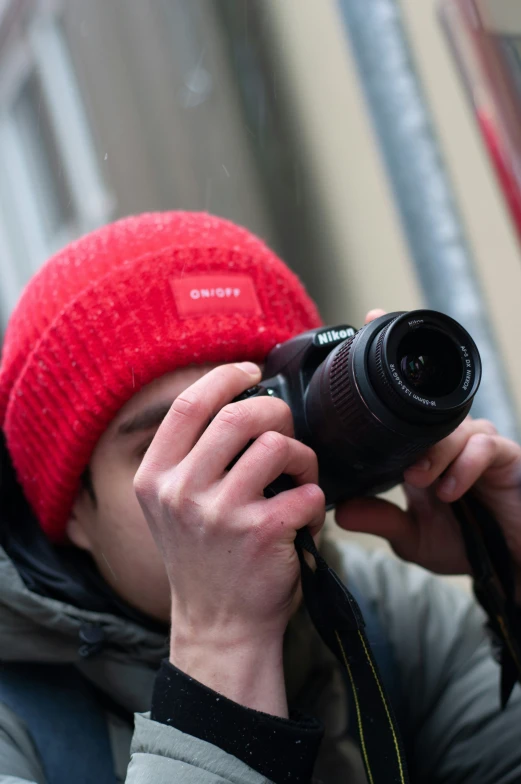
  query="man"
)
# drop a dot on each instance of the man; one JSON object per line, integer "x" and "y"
{"x": 128, "y": 542}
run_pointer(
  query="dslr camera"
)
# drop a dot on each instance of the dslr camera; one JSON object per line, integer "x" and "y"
{"x": 370, "y": 402}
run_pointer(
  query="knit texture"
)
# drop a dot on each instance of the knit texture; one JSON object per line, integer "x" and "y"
{"x": 100, "y": 320}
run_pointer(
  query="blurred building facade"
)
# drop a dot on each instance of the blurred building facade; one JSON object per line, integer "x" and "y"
{"x": 251, "y": 109}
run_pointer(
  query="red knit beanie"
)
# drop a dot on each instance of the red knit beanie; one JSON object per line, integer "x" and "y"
{"x": 117, "y": 309}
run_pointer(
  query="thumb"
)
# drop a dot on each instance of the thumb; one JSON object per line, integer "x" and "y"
{"x": 380, "y": 518}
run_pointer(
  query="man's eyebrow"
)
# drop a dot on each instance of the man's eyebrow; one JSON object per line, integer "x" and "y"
{"x": 149, "y": 417}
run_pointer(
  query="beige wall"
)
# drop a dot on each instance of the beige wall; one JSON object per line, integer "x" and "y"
{"x": 371, "y": 266}
{"x": 371, "y": 259}
{"x": 503, "y": 15}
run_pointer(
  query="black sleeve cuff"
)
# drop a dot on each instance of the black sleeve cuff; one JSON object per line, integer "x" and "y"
{"x": 283, "y": 750}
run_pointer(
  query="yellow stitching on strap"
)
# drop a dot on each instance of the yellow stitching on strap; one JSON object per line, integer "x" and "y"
{"x": 358, "y": 713}
{"x": 377, "y": 679}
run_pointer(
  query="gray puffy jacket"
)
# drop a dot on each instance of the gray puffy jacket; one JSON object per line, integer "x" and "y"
{"x": 448, "y": 678}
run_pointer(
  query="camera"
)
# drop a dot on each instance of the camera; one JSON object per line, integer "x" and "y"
{"x": 370, "y": 402}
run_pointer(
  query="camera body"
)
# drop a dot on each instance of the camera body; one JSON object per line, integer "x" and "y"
{"x": 370, "y": 402}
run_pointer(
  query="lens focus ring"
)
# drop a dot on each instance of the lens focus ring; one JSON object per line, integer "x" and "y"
{"x": 344, "y": 399}
{"x": 357, "y": 423}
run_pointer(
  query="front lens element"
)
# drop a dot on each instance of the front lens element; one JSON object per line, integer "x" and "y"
{"x": 430, "y": 363}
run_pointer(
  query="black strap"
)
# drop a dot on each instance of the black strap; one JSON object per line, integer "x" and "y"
{"x": 339, "y": 621}
{"x": 494, "y": 584}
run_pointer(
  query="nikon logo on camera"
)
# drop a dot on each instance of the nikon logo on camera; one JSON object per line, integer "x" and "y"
{"x": 331, "y": 335}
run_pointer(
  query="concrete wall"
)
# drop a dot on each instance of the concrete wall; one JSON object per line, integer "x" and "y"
{"x": 163, "y": 106}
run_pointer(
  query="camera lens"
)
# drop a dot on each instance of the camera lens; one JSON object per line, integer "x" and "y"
{"x": 414, "y": 372}
{"x": 383, "y": 397}
{"x": 430, "y": 363}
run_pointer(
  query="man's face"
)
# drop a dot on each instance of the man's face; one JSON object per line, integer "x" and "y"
{"x": 113, "y": 528}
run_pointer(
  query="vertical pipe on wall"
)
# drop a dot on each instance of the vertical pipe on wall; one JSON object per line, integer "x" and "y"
{"x": 422, "y": 188}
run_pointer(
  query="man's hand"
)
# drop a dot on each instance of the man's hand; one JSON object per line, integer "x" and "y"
{"x": 229, "y": 552}
{"x": 427, "y": 533}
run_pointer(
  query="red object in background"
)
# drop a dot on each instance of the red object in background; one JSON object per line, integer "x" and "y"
{"x": 486, "y": 38}
{"x": 504, "y": 171}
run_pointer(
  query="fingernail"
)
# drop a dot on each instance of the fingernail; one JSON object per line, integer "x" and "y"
{"x": 447, "y": 486}
{"x": 422, "y": 465}
{"x": 249, "y": 367}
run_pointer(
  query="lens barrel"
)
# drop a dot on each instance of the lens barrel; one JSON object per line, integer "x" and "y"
{"x": 403, "y": 382}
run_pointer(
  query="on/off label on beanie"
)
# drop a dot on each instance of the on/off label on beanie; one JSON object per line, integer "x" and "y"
{"x": 200, "y": 295}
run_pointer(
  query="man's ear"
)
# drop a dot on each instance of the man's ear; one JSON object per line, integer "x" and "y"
{"x": 77, "y": 524}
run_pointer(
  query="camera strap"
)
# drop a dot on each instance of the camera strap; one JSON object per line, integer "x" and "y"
{"x": 494, "y": 584}
{"x": 339, "y": 621}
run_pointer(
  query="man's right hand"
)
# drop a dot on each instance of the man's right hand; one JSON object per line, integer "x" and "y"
{"x": 229, "y": 551}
